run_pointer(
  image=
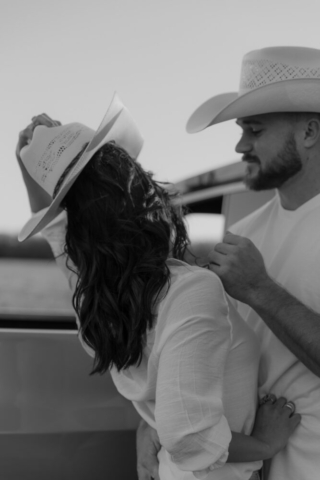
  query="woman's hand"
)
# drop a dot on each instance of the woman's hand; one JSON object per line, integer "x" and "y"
{"x": 148, "y": 446}
{"x": 38, "y": 197}
{"x": 25, "y": 136}
{"x": 275, "y": 422}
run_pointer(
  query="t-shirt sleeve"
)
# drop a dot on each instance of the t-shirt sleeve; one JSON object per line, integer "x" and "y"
{"x": 193, "y": 350}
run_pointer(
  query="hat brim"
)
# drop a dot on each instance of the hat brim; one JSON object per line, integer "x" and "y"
{"x": 296, "y": 95}
{"x": 118, "y": 126}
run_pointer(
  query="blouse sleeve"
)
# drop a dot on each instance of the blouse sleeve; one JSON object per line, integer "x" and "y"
{"x": 55, "y": 234}
{"x": 193, "y": 350}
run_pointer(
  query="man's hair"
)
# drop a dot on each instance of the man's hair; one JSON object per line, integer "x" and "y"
{"x": 121, "y": 227}
{"x": 299, "y": 116}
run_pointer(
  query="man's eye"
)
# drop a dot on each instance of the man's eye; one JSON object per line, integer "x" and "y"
{"x": 256, "y": 132}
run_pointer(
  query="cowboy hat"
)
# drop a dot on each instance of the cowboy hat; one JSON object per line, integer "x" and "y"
{"x": 275, "y": 79}
{"x": 50, "y": 154}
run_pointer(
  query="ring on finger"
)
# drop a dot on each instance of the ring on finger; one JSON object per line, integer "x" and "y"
{"x": 292, "y": 407}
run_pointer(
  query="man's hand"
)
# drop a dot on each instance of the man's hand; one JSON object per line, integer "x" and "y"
{"x": 148, "y": 446}
{"x": 240, "y": 266}
{"x": 241, "y": 269}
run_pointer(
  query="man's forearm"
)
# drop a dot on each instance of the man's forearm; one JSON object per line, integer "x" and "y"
{"x": 241, "y": 268}
{"x": 296, "y": 326}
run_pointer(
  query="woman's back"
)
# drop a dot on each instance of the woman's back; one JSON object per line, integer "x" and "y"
{"x": 198, "y": 376}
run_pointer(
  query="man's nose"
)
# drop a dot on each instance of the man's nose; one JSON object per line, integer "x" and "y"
{"x": 243, "y": 146}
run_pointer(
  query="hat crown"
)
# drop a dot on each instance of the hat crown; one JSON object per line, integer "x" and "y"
{"x": 56, "y": 156}
{"x": 276, "y": 64}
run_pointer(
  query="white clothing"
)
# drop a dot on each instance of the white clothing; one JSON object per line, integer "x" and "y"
{"x": 198, "y": 375}
{"x": 289, "y": 242}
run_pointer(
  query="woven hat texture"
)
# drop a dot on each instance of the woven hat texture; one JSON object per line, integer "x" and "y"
{"x": 275, "y": 79}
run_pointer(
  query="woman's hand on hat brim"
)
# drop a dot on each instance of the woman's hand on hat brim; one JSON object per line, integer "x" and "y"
{"x": 38, "y": 197}
{"x": 25, "y": 136}
{"x": 44, "y": 119}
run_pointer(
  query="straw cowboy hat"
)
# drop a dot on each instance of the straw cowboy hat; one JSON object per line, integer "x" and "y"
{"x": 275, "y": 79}
{"x": 48, "y": 158}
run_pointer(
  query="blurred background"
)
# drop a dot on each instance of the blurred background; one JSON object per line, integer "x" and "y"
{"x": 164, "y": 58}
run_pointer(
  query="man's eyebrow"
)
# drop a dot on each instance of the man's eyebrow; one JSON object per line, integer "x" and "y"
{"x": 248, "y": 122}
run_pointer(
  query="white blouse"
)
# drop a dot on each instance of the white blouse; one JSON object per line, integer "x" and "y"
{"x": 198, "y": 377}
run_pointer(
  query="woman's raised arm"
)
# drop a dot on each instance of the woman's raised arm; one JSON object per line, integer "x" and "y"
{"x": 38, "y": 197}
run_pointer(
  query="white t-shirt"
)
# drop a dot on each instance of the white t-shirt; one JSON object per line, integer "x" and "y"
{"x": 198, "y": 377}
{"x": 290, "y": 244}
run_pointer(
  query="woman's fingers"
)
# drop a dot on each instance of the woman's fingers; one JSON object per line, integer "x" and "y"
{"x": 291, "y": 407}
{"x": 25, "y": 136}
{"x": 281, "y": 401}
{"x": 270, "y": 397}
{"x": 282, "y": 404}
{"x": 27, "y": 132}
{"x": 295, "y": 419}
{"x": 44, "y": 119}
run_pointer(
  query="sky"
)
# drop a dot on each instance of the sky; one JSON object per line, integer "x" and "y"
{"x": 164, "y": 58}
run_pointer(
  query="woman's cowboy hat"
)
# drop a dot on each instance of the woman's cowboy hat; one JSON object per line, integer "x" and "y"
{"x": 275, "y": 79}
{"x": 52, "y": 150}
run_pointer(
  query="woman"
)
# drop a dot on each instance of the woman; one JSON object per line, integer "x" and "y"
{"x": 164, "y": 329}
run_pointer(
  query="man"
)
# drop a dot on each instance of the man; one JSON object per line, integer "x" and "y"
{"x": 277, "y": 109}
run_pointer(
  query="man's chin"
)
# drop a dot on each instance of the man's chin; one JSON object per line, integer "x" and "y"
{"x": 258, "y": 183}
{"x": 253, "y": 167}
{"x": 250, "y": 180}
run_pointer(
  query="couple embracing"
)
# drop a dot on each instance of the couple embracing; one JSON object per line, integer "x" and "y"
{"x": 195, "y": 349}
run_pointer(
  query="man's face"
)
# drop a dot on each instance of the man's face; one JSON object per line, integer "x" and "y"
{"x": 268, "y": 146}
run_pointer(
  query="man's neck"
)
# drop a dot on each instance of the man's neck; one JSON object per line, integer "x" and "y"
{"x": 297, "y": 191}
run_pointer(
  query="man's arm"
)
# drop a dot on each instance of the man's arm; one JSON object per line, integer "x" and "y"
{"x": 241, "y": 269}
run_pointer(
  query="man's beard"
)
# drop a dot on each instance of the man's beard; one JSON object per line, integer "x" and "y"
{"x": 282, "y": 167}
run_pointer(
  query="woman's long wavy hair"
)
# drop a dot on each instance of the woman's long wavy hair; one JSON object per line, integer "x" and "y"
{"x": 122, "y": 226}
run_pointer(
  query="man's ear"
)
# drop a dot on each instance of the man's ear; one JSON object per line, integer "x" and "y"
{"x": 311, "y": 132}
